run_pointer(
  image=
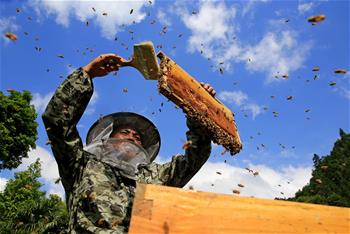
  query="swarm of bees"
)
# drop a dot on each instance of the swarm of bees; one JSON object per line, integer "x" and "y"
{"x": 313, "y": 19}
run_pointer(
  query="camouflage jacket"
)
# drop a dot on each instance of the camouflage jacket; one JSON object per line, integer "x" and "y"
{"x": 99, "y": 198}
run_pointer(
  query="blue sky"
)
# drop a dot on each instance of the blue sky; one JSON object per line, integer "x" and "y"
{"x": 253, "y": 42}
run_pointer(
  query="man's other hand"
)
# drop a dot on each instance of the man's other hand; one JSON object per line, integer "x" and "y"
{"x": 103, "y": 64}
{"x": 209, "y": 89}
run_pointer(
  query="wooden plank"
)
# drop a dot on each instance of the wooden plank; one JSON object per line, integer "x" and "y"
{"x": 160, "y": 209}
{"x": 185, "y": 91}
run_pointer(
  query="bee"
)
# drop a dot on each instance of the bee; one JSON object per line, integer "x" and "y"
{"x": 316, "y": 19}
{"x": 58, "y": 180}
{"x": 340, "y": 71}
{"x": 316, "y": 68}
{"x": 249, "y": 170}
{"x": 236, "y": 191}
{"x": 11, "y": 36}
{"x": 187, "y": 145}
{"x": 224, "y": 151}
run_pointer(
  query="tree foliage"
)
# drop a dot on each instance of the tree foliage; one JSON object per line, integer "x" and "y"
{"x": 329, "y": 184}
{"x": 18, "y": 129}
{"x": 26, "y": 209}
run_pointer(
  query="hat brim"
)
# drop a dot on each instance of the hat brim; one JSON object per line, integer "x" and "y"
{"x": 149, "y": 133}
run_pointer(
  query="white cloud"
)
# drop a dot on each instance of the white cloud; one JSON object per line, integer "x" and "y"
{"x": 276, "y": 54}
{"x": 118, "y": 12}
{"x": 268, "y": 184}
{"x": 49, "y": 169}
{"x": 163, "y": 17}
{"x": 210, "y": 23}
{"x": 249, "y": 5}
{"x": 237, "y": 97}
{"x": 343, "y": 92}
{"x": 91, "y": 107}
{"x": 40, "y": 101}
{"x": 211, "y": 27}
{"x": 241, "y": 100}
{"x": 214, "y": 35}
{"x": 254, "y": 108}
{"x": 304, "y": 7}
{"x": 8, "y": 25}
{"x": 3, "y": 182}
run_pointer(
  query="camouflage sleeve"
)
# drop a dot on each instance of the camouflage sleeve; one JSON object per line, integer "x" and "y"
{"x": 183, "y": 167}
{"x": 60, "y": 119}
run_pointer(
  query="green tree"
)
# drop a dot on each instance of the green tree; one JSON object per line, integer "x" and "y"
{"x": 18, "y": 129}
{"x": 329, "y": 184}
{"x": 26, "y": 209}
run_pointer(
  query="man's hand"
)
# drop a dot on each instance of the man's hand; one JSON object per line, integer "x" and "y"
{"x": 103, "y": 64}
{"x": 209, "y": 89}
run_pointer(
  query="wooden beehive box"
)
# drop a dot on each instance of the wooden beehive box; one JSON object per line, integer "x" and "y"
{"x": 160, "y": 209}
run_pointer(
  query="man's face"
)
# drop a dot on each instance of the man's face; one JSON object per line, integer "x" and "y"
{"x": 127, "y": 134}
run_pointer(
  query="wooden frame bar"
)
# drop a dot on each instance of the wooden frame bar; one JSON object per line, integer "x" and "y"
{"x": 186, "y": 92}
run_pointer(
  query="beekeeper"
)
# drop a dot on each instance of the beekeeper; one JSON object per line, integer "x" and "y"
{"x": 100, "y": 179}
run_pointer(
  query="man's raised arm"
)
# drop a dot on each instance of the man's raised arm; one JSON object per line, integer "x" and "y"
{"x": 65, "y": 110}
{"x": 182, "y": 168}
